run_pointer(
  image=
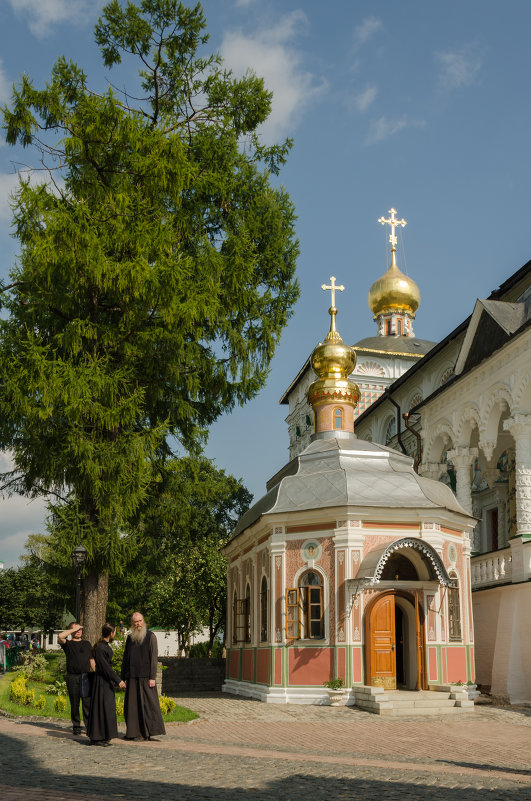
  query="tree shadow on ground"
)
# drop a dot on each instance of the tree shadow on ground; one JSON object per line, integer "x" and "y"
{"x": 158, "y": 777}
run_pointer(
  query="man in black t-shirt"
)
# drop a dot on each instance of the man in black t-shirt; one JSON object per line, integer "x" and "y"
{"x": 78, "y": 660}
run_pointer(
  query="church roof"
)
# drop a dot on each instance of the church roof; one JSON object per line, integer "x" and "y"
{"x": 386, "y": 346}
{"x": 395, "y": 346}
{"x": 348, "y": 471}
{"x": 492, "y": 325}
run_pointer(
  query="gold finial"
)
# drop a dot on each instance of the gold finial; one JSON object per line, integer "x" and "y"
{"x": 394, "y": 223}
{"x": 333, "y": 335}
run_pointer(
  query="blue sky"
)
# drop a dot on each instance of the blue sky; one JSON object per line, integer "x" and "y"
{"x": 418, "y": 105}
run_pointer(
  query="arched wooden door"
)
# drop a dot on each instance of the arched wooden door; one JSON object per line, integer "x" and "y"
{"x": 380, "y": 643}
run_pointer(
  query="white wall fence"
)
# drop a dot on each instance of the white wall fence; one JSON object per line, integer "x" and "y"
{"x": 492, "y": 568}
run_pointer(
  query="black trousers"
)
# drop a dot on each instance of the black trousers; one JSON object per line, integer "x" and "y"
{"x": 73, "y": 685}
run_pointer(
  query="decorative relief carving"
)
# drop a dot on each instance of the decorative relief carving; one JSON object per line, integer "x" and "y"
{"x": 278, "y": 636}
{"x": 341, "y": 557}
{"x": 354, "y": 523}
{"x": 279, "y": 530}
{"x": 416, "y": 545}
{"x": 341, "y": 635}
{"x": 342, "y": 523}
{"x": 278, "y": 562}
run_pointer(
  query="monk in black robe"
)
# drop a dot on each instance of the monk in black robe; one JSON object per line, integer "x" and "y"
{"x": 102, "y": 725}
{"x": 139, "y": 669}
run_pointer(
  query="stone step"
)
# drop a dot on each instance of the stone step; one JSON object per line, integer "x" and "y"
{"x": 425, "y": 711}
{"x": 423, "y": 703}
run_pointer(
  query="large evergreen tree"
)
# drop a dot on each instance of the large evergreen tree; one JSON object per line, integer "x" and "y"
{"x": 155, "y": 275}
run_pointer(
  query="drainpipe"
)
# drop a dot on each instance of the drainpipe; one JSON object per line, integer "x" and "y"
{"x": 398, "y": 431}
{"x": 415, "y": 433}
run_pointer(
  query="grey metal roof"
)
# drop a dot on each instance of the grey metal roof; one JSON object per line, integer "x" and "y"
{"x": 408, "y": 346}
{"x": 348, "y": 471}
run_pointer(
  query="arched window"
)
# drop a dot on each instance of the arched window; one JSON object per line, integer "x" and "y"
{"x": 304, "y": 606}
{"x": 247, "y": 625}
{"x": 454, "y": 611}
{"x": 263, "y": 611}
{"x": 399, "y": 328}
{"x": 338, "y": 418}
{"x": 235, "y": 618}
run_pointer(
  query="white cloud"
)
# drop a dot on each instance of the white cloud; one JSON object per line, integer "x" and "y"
{"x": 19, "y": 517}
{"x": 383, "y": 128}
{"x": 270, "y": 53}
{"x": 8, "y": 184}
{"x": 42, "y": 15}
{"x": 244, "y": 3}
{"x": 365, "y": 31}
{"x": 365, "y": 98}
{"x": 5, "y": 85}
{"x": 458, "y": 67}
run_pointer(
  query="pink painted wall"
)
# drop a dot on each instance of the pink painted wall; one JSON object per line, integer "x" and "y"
{"x": 278, "y": 666}
{"x": 310, "y": 665}
{"x": 234, "y": 669}
{"x": 432, "y": 664}
{"x": 263, "y": 663}
{"x": 342, "y": 663}
{"x": 247, "y": 666}
{"x": 357, "y": 672}
{"x": 456, "y": 661}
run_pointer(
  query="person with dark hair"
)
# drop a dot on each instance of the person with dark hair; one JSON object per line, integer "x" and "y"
{"x": 102, "y": 718}
{"x": 139, "y": 668}
{"x": 78, "y": 661}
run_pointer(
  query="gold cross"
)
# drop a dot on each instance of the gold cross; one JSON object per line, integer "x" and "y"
{"x": 393, "y": 222}
{"x": 333, "y": 288}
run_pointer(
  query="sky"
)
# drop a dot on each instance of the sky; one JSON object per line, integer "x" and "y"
{"x": 419, "y": 105}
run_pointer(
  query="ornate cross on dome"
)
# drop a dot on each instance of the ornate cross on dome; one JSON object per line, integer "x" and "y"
{"x": 333, "y": 288}
{"x": 393, "y": 222}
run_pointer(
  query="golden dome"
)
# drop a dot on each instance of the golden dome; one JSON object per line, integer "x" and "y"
{"x": 394, "y": 291}
{"x": 333, "y": 362}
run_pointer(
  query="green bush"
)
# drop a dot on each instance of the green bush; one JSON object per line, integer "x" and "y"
{"x": 166, "y": 704}
{"x": 117, "y": 656}
{"x": 40, "y": 702}
{"x": 57, "y": 688}
{"x": 33, "y": 666}
{"x": 200, "y": 649}
{"x": 18, "y": 689}
{"x": 120, "y": 699}
{"x": 60, "y": 703}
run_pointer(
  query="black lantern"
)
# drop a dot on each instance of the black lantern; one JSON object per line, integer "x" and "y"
{"x": 78, "y": 558}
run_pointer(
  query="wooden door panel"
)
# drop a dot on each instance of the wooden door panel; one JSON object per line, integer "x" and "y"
{"x": 382, "y": 642}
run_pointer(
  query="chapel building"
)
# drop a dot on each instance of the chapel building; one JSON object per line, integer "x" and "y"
{"x": 352, "y": 566}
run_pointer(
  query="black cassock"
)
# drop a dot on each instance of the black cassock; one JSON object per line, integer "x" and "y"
{"x": 102, "y": 718}
{"x": 141, "y": 706}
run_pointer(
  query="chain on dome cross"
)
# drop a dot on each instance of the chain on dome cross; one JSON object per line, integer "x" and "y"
{"x": 333, "y": 288}
{"x": 393, "y": 222}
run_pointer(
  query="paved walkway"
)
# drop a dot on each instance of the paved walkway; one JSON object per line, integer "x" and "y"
{"x": 242, "y": 749}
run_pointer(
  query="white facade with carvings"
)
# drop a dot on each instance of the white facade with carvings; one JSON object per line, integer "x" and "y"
{"x": 474, "y": 425}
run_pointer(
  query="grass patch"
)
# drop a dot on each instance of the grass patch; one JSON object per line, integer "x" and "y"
{"x": 178, "y": 715}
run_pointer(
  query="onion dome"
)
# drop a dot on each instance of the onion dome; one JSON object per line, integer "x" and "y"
{"x": 333, "y": 362}
{"x": 394, "y": 291}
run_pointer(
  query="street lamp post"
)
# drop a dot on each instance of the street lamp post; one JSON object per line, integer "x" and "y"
{"x": 78, "y": 557}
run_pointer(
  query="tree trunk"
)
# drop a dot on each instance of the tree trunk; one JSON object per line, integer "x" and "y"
{"x": 94, "y": 605}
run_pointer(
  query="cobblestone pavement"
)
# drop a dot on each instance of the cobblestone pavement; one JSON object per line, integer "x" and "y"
{"x": 242, "y": 749}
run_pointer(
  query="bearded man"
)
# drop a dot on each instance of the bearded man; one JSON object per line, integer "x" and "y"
{"x": 139, "y": 670}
